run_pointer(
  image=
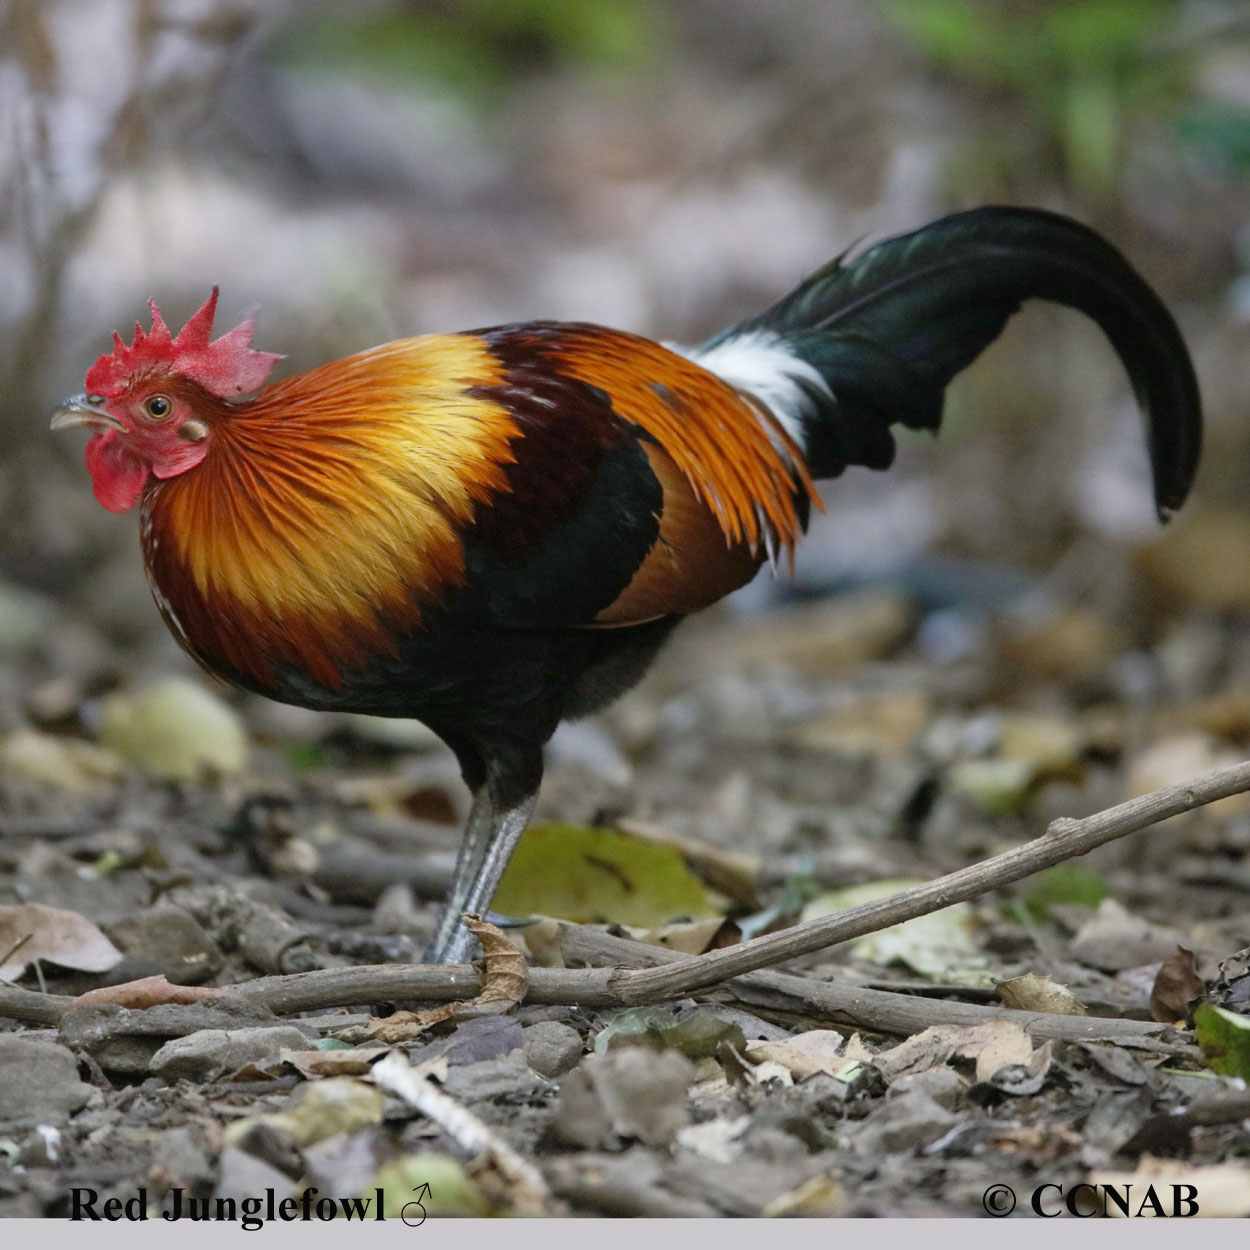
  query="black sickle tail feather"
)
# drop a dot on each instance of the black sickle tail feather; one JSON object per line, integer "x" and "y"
{"x": 889, "y": 330}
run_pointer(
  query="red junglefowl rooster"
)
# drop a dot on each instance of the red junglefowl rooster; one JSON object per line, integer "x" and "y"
{"x": 493, "y": 530}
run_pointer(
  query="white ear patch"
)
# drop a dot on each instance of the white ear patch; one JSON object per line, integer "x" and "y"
{"x": 760, "y": 363}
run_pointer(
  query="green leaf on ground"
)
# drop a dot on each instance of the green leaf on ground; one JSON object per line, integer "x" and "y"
{"x": 1064, "y": 883}
{"x": 338, "y": 1104}
{"x": 591, "y": 875}
{"x": 1225, "y": 1040}
{"x": 695, "y": 1034}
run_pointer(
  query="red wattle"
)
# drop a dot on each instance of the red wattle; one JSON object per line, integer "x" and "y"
{"x": 118, "y": 476}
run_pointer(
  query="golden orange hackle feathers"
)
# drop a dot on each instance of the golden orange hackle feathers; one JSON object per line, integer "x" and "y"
{"x": 328, "y": 513}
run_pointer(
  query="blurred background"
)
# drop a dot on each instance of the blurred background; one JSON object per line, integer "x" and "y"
{"x": 365, "y": 170}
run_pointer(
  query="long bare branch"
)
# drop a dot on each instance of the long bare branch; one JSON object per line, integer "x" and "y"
{"x": 1066, "y": 838}
{"x": 747, "y": 965}
{"x": 876, "y": 1011}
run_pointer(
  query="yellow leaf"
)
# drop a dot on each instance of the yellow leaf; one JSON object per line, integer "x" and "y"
{"x": 450, "y": 1190}
{"x": 337, "y": 1104}
{"x": 587, "y": 875}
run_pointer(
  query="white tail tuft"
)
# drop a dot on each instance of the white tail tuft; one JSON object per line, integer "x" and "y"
{"x": 760, "y": 363}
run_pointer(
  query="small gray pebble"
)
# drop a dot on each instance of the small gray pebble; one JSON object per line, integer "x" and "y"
{"x": 944, "y": 1085}
{"x": 40, "y": 1080}
{"x": 169, "y": 939}
{"x": 214, "y": 1053}
{"x": 551, "y": 1048}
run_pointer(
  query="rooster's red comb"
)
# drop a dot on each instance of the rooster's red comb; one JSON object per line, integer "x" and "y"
{"x": 227, "y": 367}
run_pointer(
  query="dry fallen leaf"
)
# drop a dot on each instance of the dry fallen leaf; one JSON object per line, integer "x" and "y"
{"x": 993, "y": 1045}
{"x": 1015, "y": 1077}
{"x": 629, "y": 1092}
{"x": 399, "y": 1026}
{"x": 1033, "y": 993}
{"x": 880, "y": 723}
{"x": 1191, "y": 562}
{"x": 1050, "y": 745}
{"x": 918, "y": 1053}
{"x": 820, "y": 638}
{"x": 1231, "y": 987}
{"x": 1225, "y": 715}
{"x": 505, "y": 980}
{"x": 718, "y": 1140}
{"x": 1113, "y": 939}
{"x": 353, "y": 1061}
{"x": 805, "y": 1054}
{"x": 543, "y": 938}
{"x": 821, "y": 1195}
{"x": 1069, "y": 641}
{"x": 144, "y": 993}
{"x": 760, "y": 1073}
{"x": 30, "y": 931}
{"x": 998, "y": 1044}
{"x": 45, "y": 760}
{"x": 1177, "y": 984}
{"x": 690, "y": 937}
{"x": 855, "y": 1049}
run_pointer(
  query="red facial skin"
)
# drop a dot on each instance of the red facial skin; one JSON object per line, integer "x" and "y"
{"x": 149, "y": 400}
{"x": 161, "y": 437}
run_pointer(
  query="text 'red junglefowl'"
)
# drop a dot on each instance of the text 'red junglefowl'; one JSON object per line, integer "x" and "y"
{"x": 493, "y": 530}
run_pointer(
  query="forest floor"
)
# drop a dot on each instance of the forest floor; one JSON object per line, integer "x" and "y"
{"x": 772, "y": 768}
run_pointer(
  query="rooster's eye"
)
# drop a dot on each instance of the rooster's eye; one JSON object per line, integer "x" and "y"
{"x": 157, "y": 407}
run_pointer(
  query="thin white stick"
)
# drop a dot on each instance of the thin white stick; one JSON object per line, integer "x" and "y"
{"x": 395, "y": 1075}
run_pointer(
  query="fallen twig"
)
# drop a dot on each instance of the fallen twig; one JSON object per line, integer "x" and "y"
{"x": 841, "y": 1005}
{"x": 528, "y": 1191}
{"x": 505, "y": 978}
{"x": 876, "y": 1011}
{"x": 31, "y": 1007}
{"x": 672, "y": 975}
{"x": 1066, "y": 838}
{"x": 676, "y": 975}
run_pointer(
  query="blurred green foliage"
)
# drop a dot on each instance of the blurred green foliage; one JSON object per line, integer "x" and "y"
{"x": 473, "y": 49}
{"x": 1225, "y": 1040}
{"x": 1219, "y": 132}
{"x": 1086, "y": 68}
{"x": 1063, "y": 884}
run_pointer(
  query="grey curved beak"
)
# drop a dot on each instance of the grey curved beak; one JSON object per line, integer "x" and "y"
{"x": 84, "y": 410}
